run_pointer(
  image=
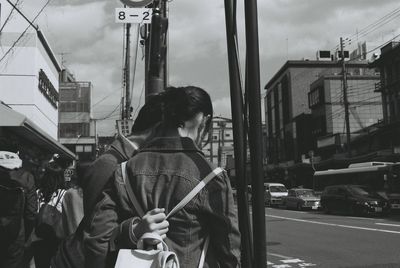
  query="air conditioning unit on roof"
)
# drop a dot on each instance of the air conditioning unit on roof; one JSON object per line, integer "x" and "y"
{"x": 324, "y": 55}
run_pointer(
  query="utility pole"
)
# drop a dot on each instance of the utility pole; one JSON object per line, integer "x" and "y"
{"x": 127, "y": 70}
{"x": 239, "y": 135}
{"x": 345, "y": 100}
{"x": 221, "y": 141}
{"x": 156, "y": 50}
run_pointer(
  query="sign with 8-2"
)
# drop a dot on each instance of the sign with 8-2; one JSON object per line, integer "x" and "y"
{"x": 133, "y": 15}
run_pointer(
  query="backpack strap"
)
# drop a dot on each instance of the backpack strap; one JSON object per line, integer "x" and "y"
{"x": 195, "y": 191}
{"x": 61, "y": 194}
{"x": 128, "y": 188}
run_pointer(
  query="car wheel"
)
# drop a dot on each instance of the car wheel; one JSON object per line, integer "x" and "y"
{"x": 353, "y": 210}
{"x": 299, "y": 207}
{"x": 326, "y": 209}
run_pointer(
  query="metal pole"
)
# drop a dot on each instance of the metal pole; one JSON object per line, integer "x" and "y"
{"x": 158, "y": 30}
{"x": 238, "y": 136}
{"x": 255, "y": 133}
{"x": 345, "y": 100}
{"x": 127, "y": 72}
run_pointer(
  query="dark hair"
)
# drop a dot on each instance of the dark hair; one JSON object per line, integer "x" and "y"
{"x": 53, "y": 179}
{"x": 174, "y": 106}
{"x": 149, "y": 114}
{"x": 182, "y": 103}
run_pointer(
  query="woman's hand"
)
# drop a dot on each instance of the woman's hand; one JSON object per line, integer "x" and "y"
{"x": 154, "y": 221}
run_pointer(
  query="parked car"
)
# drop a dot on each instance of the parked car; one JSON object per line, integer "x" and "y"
{"x": 393, "y": 199}
{"x": 274, "y": 193}
{"x": 301, "y": 198}
{"x": 353, "y": 200}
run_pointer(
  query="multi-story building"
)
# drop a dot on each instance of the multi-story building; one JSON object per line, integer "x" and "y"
{"x": 29, "y": 73}
{"x": 387, "y": 136}
{"x": 220, "y": 147}
{"x": 287, "y": 113}
{"x": 77, "y": 129}
{"x": 389, "y": 85}
{"x": 326, "y": 103}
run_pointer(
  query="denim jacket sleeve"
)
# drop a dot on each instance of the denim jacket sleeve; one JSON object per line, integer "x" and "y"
{"x": 108, "y": 231}
{"x": 99, "y": 231}
{"x": 221, "y": 216}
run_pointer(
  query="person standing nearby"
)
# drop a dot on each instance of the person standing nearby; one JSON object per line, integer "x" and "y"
{"x": 161, "y": 174}
{"x": 51, "y": 192}
{"x": 18, "y": 204}
{"x": 72, "y": 205}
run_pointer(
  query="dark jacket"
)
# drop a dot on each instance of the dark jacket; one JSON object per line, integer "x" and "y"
{"x": 102, "y": 169}
{"x": 161, "y": 175}
{"x": 12, "y": 257}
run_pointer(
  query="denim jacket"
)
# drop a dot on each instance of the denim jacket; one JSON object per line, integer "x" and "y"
{"x": 161, "y": 175}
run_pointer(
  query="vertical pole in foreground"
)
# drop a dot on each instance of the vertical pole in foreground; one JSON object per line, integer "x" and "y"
{"x": 238, "y": 136}
{"x": 345, "y": 100}
{"x": 255, "y": 132}
{"x": 127, "y": 72}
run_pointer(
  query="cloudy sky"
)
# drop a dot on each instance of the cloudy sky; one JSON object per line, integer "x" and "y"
{"x": 86, "y": 32}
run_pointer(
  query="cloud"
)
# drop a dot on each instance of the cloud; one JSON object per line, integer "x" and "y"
{"x": 288, "y": 29}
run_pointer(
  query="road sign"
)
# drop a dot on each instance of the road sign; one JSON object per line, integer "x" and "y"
{"x": 133, "y": 15}
{"x": 136, "y": 3}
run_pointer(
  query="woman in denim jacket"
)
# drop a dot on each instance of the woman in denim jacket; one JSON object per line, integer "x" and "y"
{"x": 161, "y": 174}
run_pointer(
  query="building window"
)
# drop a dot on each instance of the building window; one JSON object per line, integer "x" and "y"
{"x": 88, "y": 148}
{"x": 316, "y": 97}
{"x": 73, "y": 130}
{"x": 47, "y": 89}
{"x": 79, "y": 148}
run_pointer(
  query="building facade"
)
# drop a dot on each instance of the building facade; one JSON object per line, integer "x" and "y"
{"x": 219, "y": 149}
{"x": 29, "y": 96}
{"x": 287, "y": 112}
{"x": 327, "y": 108}
{"x": 389, "y": 84}
{"x": 29, "y": 72}
{"x": 77, "y": 129}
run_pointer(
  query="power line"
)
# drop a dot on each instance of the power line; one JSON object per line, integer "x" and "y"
{"x": 369, "y": 51}
{"x": 9, "y": 16}
{"x": 379, "y": 23}
{"x": 24, "y": 32}
{"x": 110, "y": 114}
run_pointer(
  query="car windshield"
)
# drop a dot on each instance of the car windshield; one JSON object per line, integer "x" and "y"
{"x": 361, "y": 190}
{"x": 305, "y": 193}
{"x": 277, "y": 189}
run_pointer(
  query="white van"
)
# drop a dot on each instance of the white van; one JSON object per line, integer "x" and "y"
{"x": 274, "y": 193}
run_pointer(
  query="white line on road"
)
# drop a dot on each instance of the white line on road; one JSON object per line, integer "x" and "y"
{"x": 388, "y": 224}
{"x": 336, "y": 225}
{"x": 279, "y": 256}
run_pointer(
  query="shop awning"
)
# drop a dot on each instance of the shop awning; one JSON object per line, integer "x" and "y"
{"x": 22, "y": 126}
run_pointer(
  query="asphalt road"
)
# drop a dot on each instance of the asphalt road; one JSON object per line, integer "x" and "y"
{"x": 314, "y": 239}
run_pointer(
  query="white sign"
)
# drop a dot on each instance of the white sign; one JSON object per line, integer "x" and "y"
{"x": 133, "y": 15}
{"x": 124, "y": 126}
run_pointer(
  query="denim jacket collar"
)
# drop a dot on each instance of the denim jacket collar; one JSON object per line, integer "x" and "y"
{"x": 171, "y": 144}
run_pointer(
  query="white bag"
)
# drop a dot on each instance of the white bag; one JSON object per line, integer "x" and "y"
{"x": 153, "y": 258}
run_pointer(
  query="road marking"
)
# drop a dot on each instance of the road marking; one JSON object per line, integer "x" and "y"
{"x": 363, "y": 218}
{"x": 388, "y": 224}
{"x": 292, "y": 261}
{"x": 336, "y": 225}
{"x": 279, "y": 256}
